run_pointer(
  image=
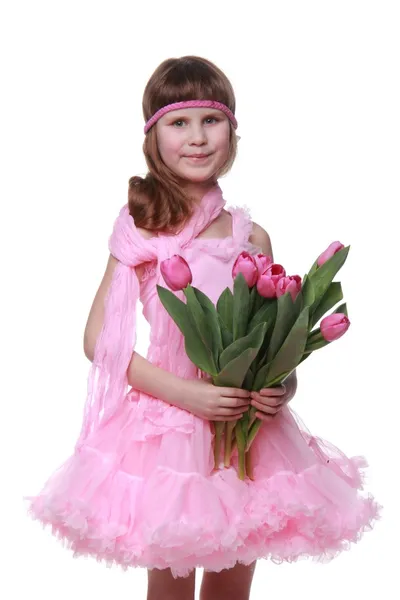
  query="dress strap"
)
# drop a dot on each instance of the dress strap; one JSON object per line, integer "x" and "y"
{"x": 242, "y": 224}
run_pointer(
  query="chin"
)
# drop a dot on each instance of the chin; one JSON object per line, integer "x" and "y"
{"x": 197, "y": 177}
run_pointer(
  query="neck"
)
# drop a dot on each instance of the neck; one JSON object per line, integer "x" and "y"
{"x": 196, "y": 191}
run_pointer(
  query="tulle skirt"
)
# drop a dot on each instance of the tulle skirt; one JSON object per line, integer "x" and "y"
{"x": 142, "y": 492}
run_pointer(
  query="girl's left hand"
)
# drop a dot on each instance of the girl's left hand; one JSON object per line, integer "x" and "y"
{"x": 269, "y": 401}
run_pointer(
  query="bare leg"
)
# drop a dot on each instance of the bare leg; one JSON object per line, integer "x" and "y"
{"x": 163, "y": 586}
{"x": 229, "y": 584}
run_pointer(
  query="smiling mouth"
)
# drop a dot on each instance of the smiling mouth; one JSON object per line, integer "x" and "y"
{"x": 202, "y": 157}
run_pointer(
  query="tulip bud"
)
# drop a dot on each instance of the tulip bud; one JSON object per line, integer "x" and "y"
{"x": 246, "y": 264}
{"x": 291, "y": 284}
{"x": 329, "y": 252}
{"x": 176, "y": 272}
{"x": 267, "y": 281}
{"x": 266, "y": 286}
{"x": 334, "y": 326}
{"x": 275, "y": 271}
{"x": 262, "y": 261}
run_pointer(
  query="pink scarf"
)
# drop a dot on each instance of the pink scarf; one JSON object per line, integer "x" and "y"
{"x": 108, "y": 380}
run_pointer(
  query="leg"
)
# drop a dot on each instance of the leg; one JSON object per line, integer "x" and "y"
{"x": 229, "y": 584}
{"x": 163, "y": 586}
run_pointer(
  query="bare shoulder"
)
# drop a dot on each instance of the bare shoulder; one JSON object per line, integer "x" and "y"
{"x": 260, "y": 237}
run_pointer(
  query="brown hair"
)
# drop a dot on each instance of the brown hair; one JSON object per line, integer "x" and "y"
{"x": 158, "y": 202}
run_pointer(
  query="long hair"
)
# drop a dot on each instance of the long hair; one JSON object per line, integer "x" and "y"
{"x": 157, "y": 202}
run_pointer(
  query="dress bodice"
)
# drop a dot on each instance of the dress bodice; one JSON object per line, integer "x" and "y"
{"x": 210, "y": 260}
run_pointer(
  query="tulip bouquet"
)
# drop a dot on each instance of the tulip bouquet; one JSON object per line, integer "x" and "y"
{"x": 255, "y": 336}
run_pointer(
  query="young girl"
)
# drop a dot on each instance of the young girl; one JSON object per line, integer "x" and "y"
{"x": 140, "y": 488}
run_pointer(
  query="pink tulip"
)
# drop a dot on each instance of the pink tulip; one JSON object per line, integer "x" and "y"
{"x": 268, "y": 280}
{"x": 246, "y": 264}
{"x": 176, "y": 272}
{"x": 329, "y": 252}
{"x": 334, "y": 326}
{"x": 262, "y": 261}
{"x": 275, "y": 271}
{"x": 291, "y": 284}
{"x": 266, "y": 287}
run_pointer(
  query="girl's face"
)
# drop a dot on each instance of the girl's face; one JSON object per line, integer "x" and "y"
{"x": 181, "y": 134}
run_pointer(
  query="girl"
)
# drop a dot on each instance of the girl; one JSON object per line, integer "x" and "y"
{"x": 140, "y": 488}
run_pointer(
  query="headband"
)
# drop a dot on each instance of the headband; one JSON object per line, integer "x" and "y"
{"x": 190, "y": 104}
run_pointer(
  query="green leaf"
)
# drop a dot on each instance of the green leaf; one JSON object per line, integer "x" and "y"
{"x": 252, "y": 340}
{"x": 316, "y": 344}
{"x": 292, "y": 349}
{"x": 259, "y": 379}
{"x": 265, "y": 314}
{"x": 256, "y": 301}
{"x": 307, "y": 290}
{"x": 194, "y": 346}
{"x": 316, "y": 340}
{"x": 176, "y": 308}
{"x": 212, "y": 317}
{"x": 314, "y": 268}
{"x": 241, "y": 298}
{"x": 248, "y": 380}
{"x": 196, "y": 314}
{"x": 342, "y": 309}
{"x": 323, "y": 276}
{"x": 227, "y": 337}
{"x": 234, "y": 372}
{"x": 332, "y": 296}
{"x": 225, "y": 308}
{"x": 252, "y": 300}
{"x": 286, "y": 315}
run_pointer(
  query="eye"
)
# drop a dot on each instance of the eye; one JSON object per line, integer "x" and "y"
{"x": 184, "y": 121}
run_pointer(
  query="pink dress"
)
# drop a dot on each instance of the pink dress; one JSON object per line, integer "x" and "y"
{"x": 141, "y": 491}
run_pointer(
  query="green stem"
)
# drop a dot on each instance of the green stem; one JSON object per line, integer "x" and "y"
{"x": 252, "y": 417}
{"x": 219, "y": 431}
{"x": 230, "y": 426}
{"x": 242, "y": 464}
{"x": 253, "y": 432}
{"x": 249, "y": 465}
{"x": 241, "y": 444}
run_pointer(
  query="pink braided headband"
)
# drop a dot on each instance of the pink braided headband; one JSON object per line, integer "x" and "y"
{"x": 190, "y": 104}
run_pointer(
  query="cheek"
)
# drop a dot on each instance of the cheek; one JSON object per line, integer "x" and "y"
{"x": 169, "y": 146}
{"x": 221, "y": 139}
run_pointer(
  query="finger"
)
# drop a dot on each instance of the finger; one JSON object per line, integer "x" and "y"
{"x": 272, "y": 410}
{"x": 269, "y": 400}
{"x": 235, "y": 418}
{"x": 234, "y": 402}
{"x": 235, "y": 392}
{"x": 277, "y": 391}
{"x": 264, "y": 417}
{"x": 231, "y": 411}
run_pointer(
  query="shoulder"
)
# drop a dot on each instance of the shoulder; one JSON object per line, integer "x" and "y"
{"x": 260, "y": 237}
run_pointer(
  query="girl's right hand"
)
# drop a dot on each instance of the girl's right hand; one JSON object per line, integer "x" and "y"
{"x": 215, "y": 403}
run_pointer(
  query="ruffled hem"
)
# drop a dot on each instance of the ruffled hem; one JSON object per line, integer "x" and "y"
{"x": 186, "y": 520}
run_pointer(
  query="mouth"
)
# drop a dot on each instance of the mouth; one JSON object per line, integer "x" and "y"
{"x": 198, "y": 157}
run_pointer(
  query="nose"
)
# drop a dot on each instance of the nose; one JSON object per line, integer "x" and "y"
{"x": 197, "y": 134}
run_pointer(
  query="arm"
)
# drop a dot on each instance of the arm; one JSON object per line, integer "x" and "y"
{"x": 142, "y": 374}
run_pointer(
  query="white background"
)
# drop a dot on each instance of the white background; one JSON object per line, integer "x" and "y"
{"x": 317, "y": 89}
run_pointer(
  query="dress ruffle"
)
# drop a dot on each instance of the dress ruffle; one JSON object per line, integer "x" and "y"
{"x": 138, "y": 495}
